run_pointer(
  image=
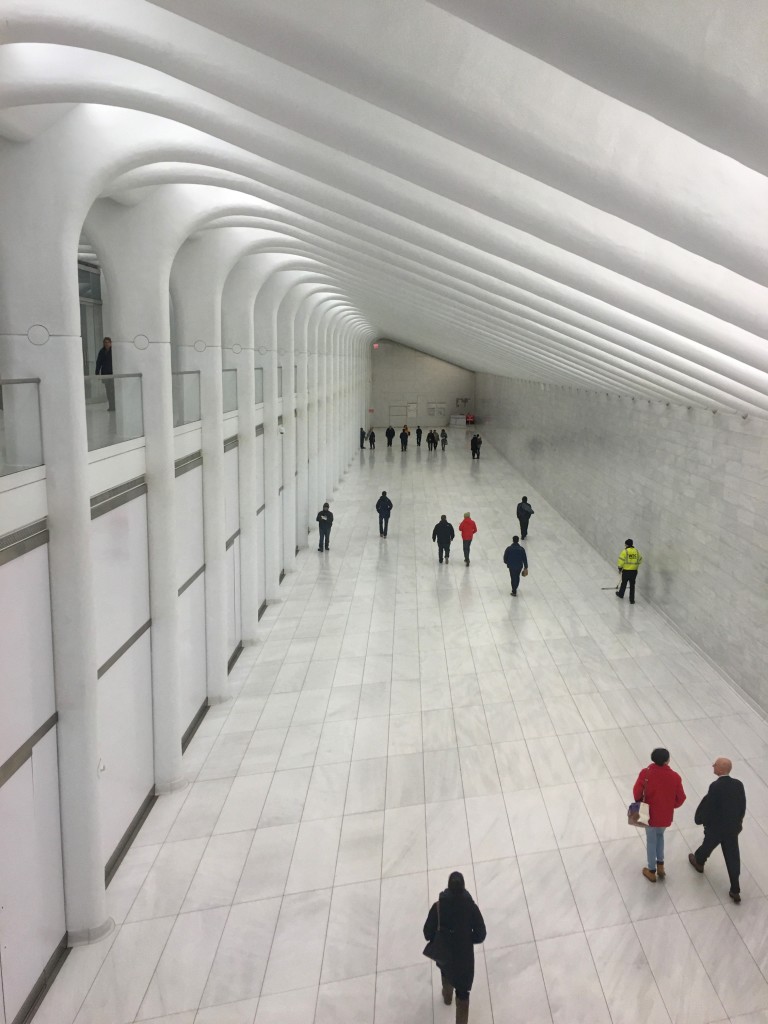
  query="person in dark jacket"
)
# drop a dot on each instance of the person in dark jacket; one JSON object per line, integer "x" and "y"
{"x": 431, "y": 440}
{"x": 389, "y": 433}
{"x": 419, "y": 432}
{"x": 104, "y": 368}
{"x": 384, "y": 506}
{"x": 362, "y": 437}
{"x": 478, "y": 445}
{"x": 443, "y": 534}
{"x": 443, "y": 438}
{"x": 457, "y": 914}
{"x": 662, "y": 789}
{"x": 372, "y": 440}
{"x": 473, "y": 447}
{"x": 524, "y": 513}
{"x": 324, "y": 520}
{"x": 721, "y": 812}
{"x": 515, "y": 560}
{"x": 403, "y": 439}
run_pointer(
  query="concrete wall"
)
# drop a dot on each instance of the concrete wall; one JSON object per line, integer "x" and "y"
{"x": 689, "y": 486}
{"x": 403, "y": 376}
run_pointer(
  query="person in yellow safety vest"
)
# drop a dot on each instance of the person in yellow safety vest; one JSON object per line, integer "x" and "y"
{"x": 630, "y": 561}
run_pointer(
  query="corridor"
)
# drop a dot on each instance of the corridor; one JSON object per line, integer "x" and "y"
{"x": 399, "y": 719}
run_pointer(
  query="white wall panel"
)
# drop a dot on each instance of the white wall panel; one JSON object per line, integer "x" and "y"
{"x": 126, "y": 740}
{"x": 121, "y": 575}
{"x": 259, "y": 471}
{"x": 26, "y": 649}
{"x": 261, "y": 568}
{"x": 232, "y": 492}
{"x": 192, "y": 650}
{"x": 31, "y": 888}
{"x": 231, "y": 621}
{"x": 189, "y": 524}
{"x": 238, "y": 609}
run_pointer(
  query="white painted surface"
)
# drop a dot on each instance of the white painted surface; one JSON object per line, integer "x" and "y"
{"x": 31, "y": 888}
{"x": 411, "y": 382}
{"x": 109, "y": 467}
{"x": 187, "y": 440}
{"x": 125, "y": 735}
{"x": 234, "y": 623}
{"x": 261, "y": 568}
{"x": 231, "y": 496}
{"x": 121, "y": 575}
{"x": 192, "y": 650}
{"x": 23, "y": 499}
{"x": 260, "y": 470}
{"x": 26, "y": 649}
{"x": 189, "y": 524}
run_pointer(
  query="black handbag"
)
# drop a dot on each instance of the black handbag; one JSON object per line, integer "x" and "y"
{"x": 439, "y": 948}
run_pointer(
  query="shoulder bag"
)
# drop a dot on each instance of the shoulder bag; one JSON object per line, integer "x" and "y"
{"x": 639, "y": 812}
{"x": 438, "y": 948}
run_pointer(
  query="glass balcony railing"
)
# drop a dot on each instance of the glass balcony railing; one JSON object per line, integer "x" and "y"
{"x": 259, "y": 378}
{"x": 229, "y": 389}
{"x": 21, "y": 439}
{"x": 113, "y": 411}
{"x": 186, "y": 397}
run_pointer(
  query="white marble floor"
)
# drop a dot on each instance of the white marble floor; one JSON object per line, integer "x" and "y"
{"x": 401, "y": 718}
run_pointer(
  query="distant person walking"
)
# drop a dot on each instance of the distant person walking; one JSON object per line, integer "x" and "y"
{"x": 403, "y": 440}
{"x": 467, "y": 529}
{"x": 457, "y": 918}
{"x": 372, "y": 440}
{"x": 524, "y": 513}
{"x": 443, "y": 534}
{"x": 104, "y": 369}
{"x": 662, "y": 789}
{"x": 443, "y": 439}
{"x": 431, "y": 440}
{"x": 390, "y": 435}
{"x": 419, "y": 432}
{"x": 362, "y": 437}
{"x": 384, "y": 507}
{"x": 721, "y": 812}
{"x": 473, "y": 447}
{"x": 324, "y": 519}
{"x": 516, "y": 561}
{"x": 630, "y": 561}
{"x": 479, "y": 444}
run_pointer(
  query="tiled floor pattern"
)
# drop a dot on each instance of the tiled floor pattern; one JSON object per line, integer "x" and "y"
{"x": 401, "y": 718}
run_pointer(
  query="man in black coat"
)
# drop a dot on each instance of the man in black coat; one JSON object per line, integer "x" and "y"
{"x": 721, "y": 812}
{"x": 362, "y": 437}
{"x": 403, "y": 439}
{"x": 524, "y": 513}
{"x": 515, "y": 560}
{"x": 324, "y": 521}
{"x": 458, "y": 919}
{"x": 104, "y": 369}
{"x": 384, "y": 506}
{"x": 389, "y": 433}
{"x": 419, "y": 432}
{"x": 443, "y": 534}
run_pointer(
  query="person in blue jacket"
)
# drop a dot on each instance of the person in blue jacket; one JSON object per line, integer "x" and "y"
{"x": 516, "y": 561}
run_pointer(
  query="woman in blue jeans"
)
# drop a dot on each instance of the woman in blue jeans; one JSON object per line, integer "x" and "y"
{"x": 662, "y": 789}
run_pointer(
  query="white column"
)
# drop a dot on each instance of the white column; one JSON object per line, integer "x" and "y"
{"x": 302, "y": 421}
{"x": 284, "y": 325}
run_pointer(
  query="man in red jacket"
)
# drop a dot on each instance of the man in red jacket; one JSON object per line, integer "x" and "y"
{"x": 467, "y": 529}
{"x": 662, "y": 789}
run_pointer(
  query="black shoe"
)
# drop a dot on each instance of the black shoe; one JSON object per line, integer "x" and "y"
{"x": 514, "y": 593}
{"x": 621, "y": 596}
{"x": 735, "y": 896}
{"x": 695, "y": 864}
{"x": 466, "y": 561}
{"x": 441, "y": 561}
{"x": 631, "y": 600}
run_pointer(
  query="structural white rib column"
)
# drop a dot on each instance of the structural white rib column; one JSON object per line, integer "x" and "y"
{"x": 284, "y": 325}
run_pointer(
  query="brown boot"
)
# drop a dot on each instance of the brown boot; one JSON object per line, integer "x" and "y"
{"x": 660, "y": 872}
{"x": 447, "y": 993}
{"x": 650, "y": 875}
{"x": 462, "y": 1010}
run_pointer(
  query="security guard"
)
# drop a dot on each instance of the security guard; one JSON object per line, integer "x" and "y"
{"x": 630, "y": 561}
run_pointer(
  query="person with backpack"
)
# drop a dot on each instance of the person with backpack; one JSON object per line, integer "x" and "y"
{"x": 524, "y": 513}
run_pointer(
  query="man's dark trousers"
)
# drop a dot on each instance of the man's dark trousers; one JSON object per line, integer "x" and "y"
{"x": 523, "y": 526}
{"x": 325, "y": 536}
{"x": 467, "y": 544}
{"x": 383, "y": 524}
{"x": 514, "y": 576}
{"x": 443, "y": 550}
{"x": 628, "y": 576}
{"x": 730, "y": 847}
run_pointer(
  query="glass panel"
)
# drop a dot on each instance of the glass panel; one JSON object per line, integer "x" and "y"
{"x": 186, "y": 397}
{"x": 89, "y": 282}
{"x": 259, "y": 377}
{"x": 229, "y": 387}
{"x": 279, "y": 382}
{"x": 115, "y": 414}
{"x": 21, "y": 439}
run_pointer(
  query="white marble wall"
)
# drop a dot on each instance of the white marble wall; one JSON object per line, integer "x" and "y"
{"x": 402, "y": 375}
{"x": 689, "y": 486}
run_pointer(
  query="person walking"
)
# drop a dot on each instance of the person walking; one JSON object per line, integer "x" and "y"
{"x": 443, "y": 438}
{"x": 419, "y": 432}
{"x": 467, "y": 529}
{"x": 524, "y": 513}
{"x": 384, "y": 506}
{"x": 473, "y": 447}
{"x": 457, "y": 918}
{"x": 372, "y": 440}
{"x": 478, "y": 444}
{"x": 516, "y": 561}
{"x": 630, "y": 561}
{"x": 431, "y": 440}
{"x": 389, "y": 433}
{"x": 104, "y": 369}
{"x": 662, "y": 789}
{"x": 443, "y": 534}
{"x": 362, "y": 437}
{"x": 324, "y": 519}
{"x": 403, "y": 440}
{"x": 721, "y": 812}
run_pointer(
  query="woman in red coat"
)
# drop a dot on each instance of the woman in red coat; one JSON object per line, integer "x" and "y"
{"x": 662, "y": 789}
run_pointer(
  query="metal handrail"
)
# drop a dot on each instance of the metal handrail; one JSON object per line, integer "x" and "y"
{"x": 19, "y": 380}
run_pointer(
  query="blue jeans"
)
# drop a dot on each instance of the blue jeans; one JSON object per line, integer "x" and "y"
{"x": 654, "y": 838}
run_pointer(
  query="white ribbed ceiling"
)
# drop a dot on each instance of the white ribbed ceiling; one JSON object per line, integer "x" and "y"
{"x": 571, "y": 191}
